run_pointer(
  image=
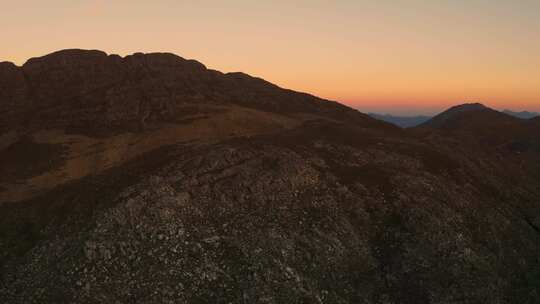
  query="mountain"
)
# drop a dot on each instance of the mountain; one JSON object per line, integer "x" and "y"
{"x": 401, "y": 121}
{"x": 522, "y": 114}
{"x": 487, "y": 133}
{"x": 152, "y": 179}
{"x": 483, "y": 125}
{"x": 413, "y": 121}
{"x": 457, "y": 114}
{"x": 110, "y": 92}
{"x": 89, "y": 111}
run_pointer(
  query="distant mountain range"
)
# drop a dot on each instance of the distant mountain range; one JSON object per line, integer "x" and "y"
{"x": 522, "y": 114}
{"x": 401, "y": 121}
{"x": 413, "y": 121}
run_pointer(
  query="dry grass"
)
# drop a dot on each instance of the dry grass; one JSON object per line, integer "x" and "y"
{"x": 87, "y": 155}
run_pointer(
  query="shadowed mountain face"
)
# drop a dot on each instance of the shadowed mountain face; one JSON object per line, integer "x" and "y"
{"x": 462, "y": 114}
{"x": 96, "y": 93}
{"x": 152, "y": 179}
{"x": 484, "y": 129}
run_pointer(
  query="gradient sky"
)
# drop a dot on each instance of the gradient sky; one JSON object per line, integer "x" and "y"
{"x": 399, "y": 56}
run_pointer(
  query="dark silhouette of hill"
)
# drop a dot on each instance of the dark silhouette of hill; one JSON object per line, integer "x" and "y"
{"x": 484, "y": 126}
{"x": 152, "y": 179}
{"x": 456, "y": 115}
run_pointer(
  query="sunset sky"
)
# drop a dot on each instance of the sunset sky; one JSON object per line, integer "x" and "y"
{"x": 399, "y": 56}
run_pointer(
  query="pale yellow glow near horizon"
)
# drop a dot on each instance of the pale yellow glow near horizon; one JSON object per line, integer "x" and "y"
{"x": 401, "y": 56}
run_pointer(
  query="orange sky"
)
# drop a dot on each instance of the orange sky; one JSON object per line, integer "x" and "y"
{"x": 399, "y": 56}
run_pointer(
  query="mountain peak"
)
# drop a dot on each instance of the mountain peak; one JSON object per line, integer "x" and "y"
{"x": 67, "y": 56}
{"x": 80, "y": 57}
{"x": 468, "y": 107}
{"x": 96, "y": 95}
{"x": 448, "y": 118}
{"x": 160, "y": 59}
{"x": 6, "y": 64}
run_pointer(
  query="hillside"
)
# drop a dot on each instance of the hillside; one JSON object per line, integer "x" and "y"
{"x": 86, "y": 111}
{"x": 152, "y": 179}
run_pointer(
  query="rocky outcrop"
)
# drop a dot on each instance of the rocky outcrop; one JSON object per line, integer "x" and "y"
{"x": 92, "y": 92}
{"x": 310, "y": 215}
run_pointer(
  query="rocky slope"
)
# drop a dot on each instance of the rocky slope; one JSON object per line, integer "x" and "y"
{"x": 89, "y": 111}
{"x": 277, "y": 197}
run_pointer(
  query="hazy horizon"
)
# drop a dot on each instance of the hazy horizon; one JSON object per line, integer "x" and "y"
{"x": 397, "y": 57}
{"x": 410, "y": 112}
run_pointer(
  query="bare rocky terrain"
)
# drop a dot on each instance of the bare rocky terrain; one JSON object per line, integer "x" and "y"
{"x": 152, "y": 179}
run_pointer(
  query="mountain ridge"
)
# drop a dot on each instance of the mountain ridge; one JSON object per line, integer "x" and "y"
{"x": 442, "y": 118}
{"x": 81, "y": 74}
{"x": 76, "y": 100}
